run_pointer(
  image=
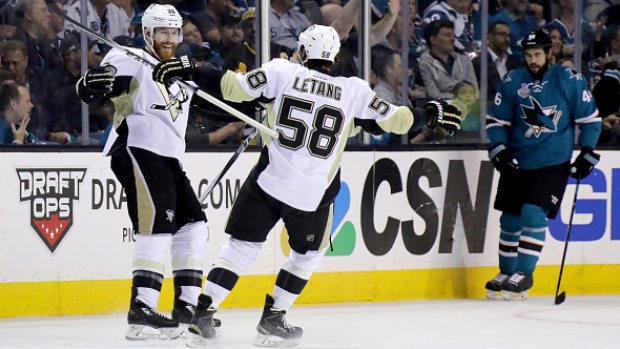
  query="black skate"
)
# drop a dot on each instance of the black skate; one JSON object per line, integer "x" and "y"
{"x": 515, "y": 289}
{"x": 183, "y": 312}
{"x": 141, "y": 317}
{"x": 274, "y": 331}
{"x": 201, "y": 325}
{"x": 495, "y": 287}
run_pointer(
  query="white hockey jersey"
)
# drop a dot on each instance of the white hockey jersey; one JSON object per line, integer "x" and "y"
{"x": 313, "y": 114}
{"x": 156, "y": 119}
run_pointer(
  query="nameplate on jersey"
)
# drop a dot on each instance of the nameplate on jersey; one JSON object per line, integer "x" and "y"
{"x": 317, "y": 87}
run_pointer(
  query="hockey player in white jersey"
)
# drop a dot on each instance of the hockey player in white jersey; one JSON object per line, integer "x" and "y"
{"x": 298, "y": 175}
{"x": 147, "y": 146}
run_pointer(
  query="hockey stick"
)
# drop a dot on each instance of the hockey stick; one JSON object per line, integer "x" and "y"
{"x": 230, "y": 162}
{"x": 202, "y": 94}
{"x": 560, "y": 298}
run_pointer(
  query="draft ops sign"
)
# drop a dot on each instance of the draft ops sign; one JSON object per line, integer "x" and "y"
{"x": 51, "y": 193}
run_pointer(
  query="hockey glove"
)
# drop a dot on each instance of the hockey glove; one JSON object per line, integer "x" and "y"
{"x": 182, "y": 68}
{"x": 99, "y": 80}
{"x": 441, "y": 113}
{"x": 584, "y": 163}
{"x": 502, "y": 159}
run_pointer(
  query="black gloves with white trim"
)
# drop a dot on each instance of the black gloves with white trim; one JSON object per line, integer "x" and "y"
{"x": 182, "y": 68}
{"x": 441, "y": 113}
{"x": 502, "y": 159}
{"x": 584, "y": 163}
{"x": 96, "y": 83}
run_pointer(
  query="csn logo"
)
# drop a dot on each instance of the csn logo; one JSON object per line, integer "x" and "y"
{"x": 51, "y": 193}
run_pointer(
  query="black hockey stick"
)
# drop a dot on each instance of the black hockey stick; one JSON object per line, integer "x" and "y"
{"x": 202, "y": 94}
{"x": 230, "y": 162}
{"x": 560, "y": 298}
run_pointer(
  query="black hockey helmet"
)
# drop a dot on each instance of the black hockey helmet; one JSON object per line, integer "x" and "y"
{"x": 537, "y": 39}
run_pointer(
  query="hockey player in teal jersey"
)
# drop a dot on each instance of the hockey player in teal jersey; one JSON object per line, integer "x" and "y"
{"x": 531, "y": 129}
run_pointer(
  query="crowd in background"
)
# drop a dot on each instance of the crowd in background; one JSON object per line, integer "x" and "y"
{"x": 41, "y": 58}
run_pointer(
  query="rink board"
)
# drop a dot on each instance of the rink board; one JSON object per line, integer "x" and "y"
{"x": 407, "y": 225}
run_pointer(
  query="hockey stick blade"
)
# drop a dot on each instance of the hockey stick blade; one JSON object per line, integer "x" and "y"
{"x": 51, "y": 4}
{"x": 559, "y": 299}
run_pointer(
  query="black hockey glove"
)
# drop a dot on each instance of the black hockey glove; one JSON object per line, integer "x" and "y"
{"x": 182, "y": 68}
{"x": 584, "y": 163}
{"x": 502, "y": 159}
{"x": 441, "y": 113}
{"x": 99, "y": 80}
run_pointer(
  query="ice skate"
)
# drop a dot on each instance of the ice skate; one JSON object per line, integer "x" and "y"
{"x": 183, "y": 312}
{"x": 495, "y": 287}
{"x": 515, "y": 289}
{"x": 145, "y": 323}
{"x": 201, "y": 325}
{"x": 274, "y": 331}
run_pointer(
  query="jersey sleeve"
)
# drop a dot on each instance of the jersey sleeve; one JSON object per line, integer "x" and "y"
{"x": 260, "y": 82}
{"x": 585, "y": 111}
{"x": 500, "y": 115}
{"x": 370, "y": 108}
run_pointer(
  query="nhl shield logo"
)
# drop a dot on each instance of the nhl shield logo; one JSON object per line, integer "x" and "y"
{"x": 51, "y": 193}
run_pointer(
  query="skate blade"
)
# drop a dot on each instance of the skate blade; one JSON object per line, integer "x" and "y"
{"x": 495, "y": 295}
{"x": 141, "y": 333}
{"x": 515, "y": 296}
{"x": 268, "y": 341}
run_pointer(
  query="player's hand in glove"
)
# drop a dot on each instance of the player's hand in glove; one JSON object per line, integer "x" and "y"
{"x": 182, "y": 68}
{"x": 99, "y": 80}
{"x": 441, "y": 113}
{"x": 584, "y": 163}
{"x": 502, "y": 159}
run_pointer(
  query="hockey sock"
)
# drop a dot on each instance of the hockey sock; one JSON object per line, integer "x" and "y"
{"x": 294, "y": 276}
{"x": 510, "y": 225}
{"x": 532, "y": 238}
{"x": 235, "y": 258}
{"x": 187, "y": 251}
{"x": 148, "y": 266}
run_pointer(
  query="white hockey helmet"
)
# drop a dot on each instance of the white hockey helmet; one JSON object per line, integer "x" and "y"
{"x": 320, "y": 42}
{"x": 160, "y": 16}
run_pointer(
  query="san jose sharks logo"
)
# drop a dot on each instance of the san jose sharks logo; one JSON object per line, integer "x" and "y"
{"x": 540, "y": 119}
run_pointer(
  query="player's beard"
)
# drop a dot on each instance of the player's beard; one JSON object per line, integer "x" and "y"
{"x": 165, "y": 53}
{"x": 541, "y": 70}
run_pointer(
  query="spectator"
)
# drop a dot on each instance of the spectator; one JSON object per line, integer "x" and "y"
{"x": 55, "y": 29}
{"x": 388, "y": 68}
{"x": 441, "y": 67}
{"x": 330, "y": 12}
{"x": 64, "y": 104}
{"x": 606, "y": 94}
{"x": 15, "y": 106}
{"x": 201, "y": 131}
{"x": 15, "y": 59}
{"x": 556, "y": 43}
{"x": 8, "y": 22}
{"x": 499, "y": 61}
{"x": 458, "y": 12}
{"x": 515, "y": 13}
{"x": 566, "y": 24}
{"x": 96, "y": 17}
{"x": 94, "y": 58}
{"x": 191, "y": 33}
{"x": 285, "y": 24}
{"x": 6, "y": 77}
{"x": 119, "y": 14}
{"x": 243, "y": 58}
{"x": 465, "y": 99}
{"x": 35, "y": 22}
{"x": 613, "y": 45}
{"x": 209, "y": 20}
{"x": 232, "y": 34}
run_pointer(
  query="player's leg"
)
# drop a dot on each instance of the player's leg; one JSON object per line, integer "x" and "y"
{"x": 509, "y": 200}
{"x": 250, "y": 220}
{"x": 188, "y": 245}
{"x": 308, "y": 238}
{"x": 143, "y": 175}
{"x": 543, "y": 198}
